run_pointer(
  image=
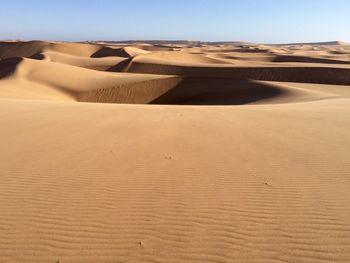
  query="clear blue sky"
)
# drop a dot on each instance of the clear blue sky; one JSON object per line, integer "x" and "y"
{"x": 264, "y": 21}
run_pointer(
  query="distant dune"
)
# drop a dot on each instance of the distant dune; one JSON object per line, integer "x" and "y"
{"x": 329, "y": 43}
{"x": 174, "y": 151}
{"x": 194, "y": 43}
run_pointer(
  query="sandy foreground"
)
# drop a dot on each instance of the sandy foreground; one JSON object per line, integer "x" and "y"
{"x": 174, "y": 153}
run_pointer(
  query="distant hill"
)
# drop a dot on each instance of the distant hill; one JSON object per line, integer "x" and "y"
{"x": 152, "y": 42}
{"x": 327, "y": 43}
{"x": 174, "y": 42}
{"x": 198, "y": 43}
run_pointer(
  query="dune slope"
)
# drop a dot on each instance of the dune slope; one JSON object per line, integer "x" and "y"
{"x": 37, "y": 79}
{"x": 84, "y": 183}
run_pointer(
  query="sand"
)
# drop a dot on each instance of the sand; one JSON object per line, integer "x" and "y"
{"x": 174, "y": 153}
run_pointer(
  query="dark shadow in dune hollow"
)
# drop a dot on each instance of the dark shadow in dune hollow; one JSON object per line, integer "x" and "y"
{"x": 38, "y": 56}
{"x": 304, "y": 59}
{"x": 217, "y": 91}
{"x": 121, "y": 66}
{"x": 8, "y": 66}
{"x": 110, "y": 52}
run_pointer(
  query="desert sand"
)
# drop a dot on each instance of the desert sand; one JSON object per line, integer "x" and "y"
{"x": 174, "y": 152}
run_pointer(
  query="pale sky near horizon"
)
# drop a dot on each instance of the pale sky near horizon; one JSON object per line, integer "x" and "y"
{"x": 260, "y": 21}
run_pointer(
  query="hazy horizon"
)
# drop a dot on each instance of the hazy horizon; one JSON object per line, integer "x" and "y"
{"x": 177, "y": 40}
{"x": 268, "y": 21}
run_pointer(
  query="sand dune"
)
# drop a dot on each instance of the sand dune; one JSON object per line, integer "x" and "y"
{"x": 28, "y": 49}
{"x": 327, "y": 43}
{"x": 241, "y": 156}
{"x": 102, "y": 64}
{"x": 31, "y": 48}
{"x": 299, "y": 73}
{"x": 34, "y": 79}
{"x": 179, "y": 57}
{"x": 42, "y": 79}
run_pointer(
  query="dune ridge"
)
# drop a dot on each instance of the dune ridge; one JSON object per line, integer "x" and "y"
{"x": 322, "y": 75}
{"x": 34, "y": 79}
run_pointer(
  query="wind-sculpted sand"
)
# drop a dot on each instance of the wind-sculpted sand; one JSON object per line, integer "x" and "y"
{"x": 136, "y": 152}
